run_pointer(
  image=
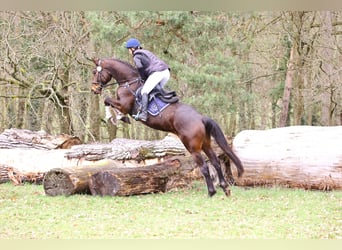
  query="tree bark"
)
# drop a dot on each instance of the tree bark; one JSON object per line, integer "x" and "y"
{"x": 160, "y": 177}
{"x": 327, "y": 57}
{"x": 133, "y": 181}
{"x": 287, "y": 90}
{"x": 4, "y": 174}
{"x": 128, "y": 149}
{"x": 299, "y": 157}
{"x": 22, "y": 138}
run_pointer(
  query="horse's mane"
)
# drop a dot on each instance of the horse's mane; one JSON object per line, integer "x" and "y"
{"x": 130, "y": 66}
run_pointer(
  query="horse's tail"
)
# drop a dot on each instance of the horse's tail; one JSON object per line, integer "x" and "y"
{"x": 213, "y": 129}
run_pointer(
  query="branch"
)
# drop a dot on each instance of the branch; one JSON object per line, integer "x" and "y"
{"x": 14, "y": 81}
{"x": 262, "y": 76}
{"x": 275, "y": 20}
{"x": 318, "y": 25}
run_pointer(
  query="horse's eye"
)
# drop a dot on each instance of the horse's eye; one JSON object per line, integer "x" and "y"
{"x": 94, "y": 71}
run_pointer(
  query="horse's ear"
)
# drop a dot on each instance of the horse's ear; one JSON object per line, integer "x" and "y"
{"x": 96, "y": 61}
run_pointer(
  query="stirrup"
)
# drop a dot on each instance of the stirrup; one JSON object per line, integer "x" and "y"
{"x": 137, "y": 117}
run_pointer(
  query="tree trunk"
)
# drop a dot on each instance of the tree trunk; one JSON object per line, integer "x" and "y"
{"x": 298, "y": 156}
{"x": 170, "y": 174}
{"x": 128, "y": 149}
{"x": 327, "y": 57}
{"x": 69, "y": 181}
{"x": 287, "y": 90}
{"x": 132, "y": 181}
{"x": 94, "y": 119}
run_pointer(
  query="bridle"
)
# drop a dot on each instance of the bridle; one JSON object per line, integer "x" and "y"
{"x": 123, "y": 84}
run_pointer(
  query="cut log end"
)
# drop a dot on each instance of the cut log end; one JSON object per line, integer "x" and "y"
{"x": 58, "y": 182}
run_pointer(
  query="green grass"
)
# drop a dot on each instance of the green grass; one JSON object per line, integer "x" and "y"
{"x": 263, "y": 213}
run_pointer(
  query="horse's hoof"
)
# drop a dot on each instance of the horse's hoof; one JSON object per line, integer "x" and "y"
{"x": 108, "y": 102}
{"x": 227, "y": 192}
{"x": 212, "y": 193}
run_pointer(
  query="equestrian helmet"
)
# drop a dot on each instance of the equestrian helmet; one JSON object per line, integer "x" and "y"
{"x": 132, "y": 43}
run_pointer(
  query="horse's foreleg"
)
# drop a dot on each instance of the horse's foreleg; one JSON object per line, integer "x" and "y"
{"x": 216, "y": 163}
{"x": 198, "y": 158}
{"x": 110, "y": 114}
{"x": 110, "y": 102}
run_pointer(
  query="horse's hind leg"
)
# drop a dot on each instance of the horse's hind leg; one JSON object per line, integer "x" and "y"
{"x": 198, "y": 158}
{"x": 216, "y": 163}
{"x": 227, "y": 171}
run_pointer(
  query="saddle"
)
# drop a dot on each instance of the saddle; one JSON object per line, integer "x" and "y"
{"x": 158, "y": 99}
{"x": 168, "y": 96}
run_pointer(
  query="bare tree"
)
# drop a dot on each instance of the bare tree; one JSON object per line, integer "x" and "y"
{"x": 42, "y": 53}
{"x": 326, "y": 53}
{"x": 287, "y": 90}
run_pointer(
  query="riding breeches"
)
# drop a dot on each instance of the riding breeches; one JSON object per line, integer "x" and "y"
{"x": 152, "y": 81}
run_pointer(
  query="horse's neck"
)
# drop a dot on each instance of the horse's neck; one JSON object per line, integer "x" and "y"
{"x": 122, "y": 71}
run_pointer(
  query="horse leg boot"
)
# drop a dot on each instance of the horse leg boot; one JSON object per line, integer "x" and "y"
{"x": 205, "y": 172}
{"x": 216, "y": 163}
{"x": 143, "y": 113}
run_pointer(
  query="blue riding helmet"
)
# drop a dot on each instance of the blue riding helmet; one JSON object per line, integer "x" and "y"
{"x": 132, "y": 43}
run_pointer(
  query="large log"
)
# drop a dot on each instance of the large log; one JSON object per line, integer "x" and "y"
{"x": 128, "y": 149}
{"x": 27, "y": 154}
{"x": 298, "y": 156}
{"x": 69, "y": 181}
{"x": 23, "y": 138}
{"x": 133, "y": 181}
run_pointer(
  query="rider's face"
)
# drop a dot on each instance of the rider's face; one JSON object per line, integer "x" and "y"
{"x": 131, "y": 50}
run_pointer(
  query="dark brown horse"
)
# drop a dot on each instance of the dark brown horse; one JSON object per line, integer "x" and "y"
{"x": 193, "y": 129}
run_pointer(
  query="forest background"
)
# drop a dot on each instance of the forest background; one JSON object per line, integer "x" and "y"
{"x": 246, "y": 70}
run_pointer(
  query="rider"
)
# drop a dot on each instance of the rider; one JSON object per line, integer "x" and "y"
{"x": 151, "y": 69}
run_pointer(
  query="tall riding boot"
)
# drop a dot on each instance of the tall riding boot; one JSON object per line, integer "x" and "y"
{"x": 143, "y": 113}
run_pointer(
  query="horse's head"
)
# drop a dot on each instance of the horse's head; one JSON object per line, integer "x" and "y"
{"x": 101, "y": 76}
{"x": 126, "y": 76}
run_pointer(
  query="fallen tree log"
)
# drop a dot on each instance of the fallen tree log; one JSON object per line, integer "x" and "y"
{"x": 128, "y": 149}
{"x": 69, "y": 181}
{"x": 23, "y": 138}
{"x": 27, "y": 155}
{"x": 133, "y": 181}
{"x": 4, "y": 174}
{"x": 8, "y": 173}
{"x": 298, "y": 156}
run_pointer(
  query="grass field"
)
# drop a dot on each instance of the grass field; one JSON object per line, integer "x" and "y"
{"x": 255, "y": 213}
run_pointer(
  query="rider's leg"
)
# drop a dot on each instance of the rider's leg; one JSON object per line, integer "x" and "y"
{"x": 144, "y": 103}
{"x": 152, "y": 81}
{"x": 165, "y": 79}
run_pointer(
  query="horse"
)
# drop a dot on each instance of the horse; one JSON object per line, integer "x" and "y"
{"x": 192, "y": 128}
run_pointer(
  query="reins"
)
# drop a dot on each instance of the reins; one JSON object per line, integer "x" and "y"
{"x": 128, "y": 84}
